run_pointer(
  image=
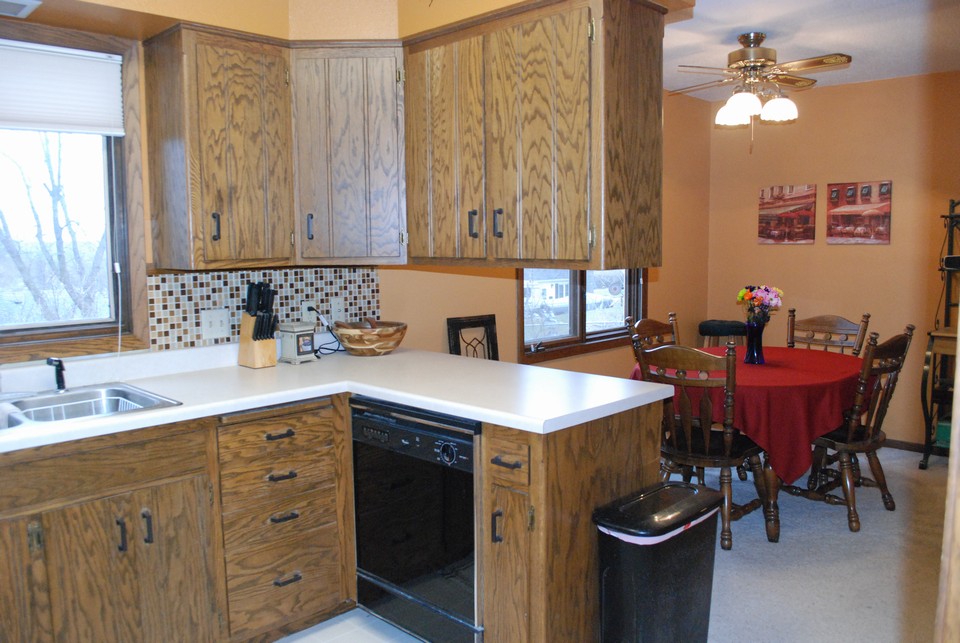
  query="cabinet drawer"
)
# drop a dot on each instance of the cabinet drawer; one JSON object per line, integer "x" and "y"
{"x": 276, "y": 584}
{"x": 286, "y": 434}
{"x": 507, "y": 462}
{"x": 248, "y": 481}
{"x": 276, "y": 520}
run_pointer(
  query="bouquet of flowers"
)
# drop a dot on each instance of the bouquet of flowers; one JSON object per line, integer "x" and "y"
{"x": 759, "y": 301}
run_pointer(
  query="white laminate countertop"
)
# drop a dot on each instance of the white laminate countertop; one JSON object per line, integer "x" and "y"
{"x": 529, "y": 398}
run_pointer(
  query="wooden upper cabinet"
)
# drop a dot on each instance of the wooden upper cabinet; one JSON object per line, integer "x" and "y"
{"x": 219, "y": 127}
{"x": 445, "y": 121}
{"x": 348, "y": 111}
{"x": 571, "y": 146}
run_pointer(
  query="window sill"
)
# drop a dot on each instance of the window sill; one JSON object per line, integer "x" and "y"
{"x": 41, "y": 349}
{"x": 571, "y": 350}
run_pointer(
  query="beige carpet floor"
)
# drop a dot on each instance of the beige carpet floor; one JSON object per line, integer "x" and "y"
{"x": 822, "y": 582}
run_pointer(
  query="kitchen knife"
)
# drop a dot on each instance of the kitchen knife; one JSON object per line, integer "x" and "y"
{"x": 253, "y": 298}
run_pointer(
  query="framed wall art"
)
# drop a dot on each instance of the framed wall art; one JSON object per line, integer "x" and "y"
{"x": 859, "y": 213}
{"x": 787, "y": 214}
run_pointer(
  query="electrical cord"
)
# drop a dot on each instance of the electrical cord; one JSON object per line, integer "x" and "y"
{"x": 330, "y": 347}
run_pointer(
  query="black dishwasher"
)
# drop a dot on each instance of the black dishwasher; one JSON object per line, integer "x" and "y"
{"x": 415, "y": 514}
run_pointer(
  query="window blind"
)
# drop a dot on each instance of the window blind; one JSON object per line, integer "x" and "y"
{"x": 60, "y": 89}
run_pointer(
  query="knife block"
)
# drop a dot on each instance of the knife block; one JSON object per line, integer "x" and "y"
{"x": 255, "y": 354}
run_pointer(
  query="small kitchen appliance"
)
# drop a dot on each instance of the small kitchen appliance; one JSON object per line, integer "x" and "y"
{"x": 296, "y": 342}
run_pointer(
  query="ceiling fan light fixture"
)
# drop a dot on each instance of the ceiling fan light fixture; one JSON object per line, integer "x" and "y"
{"x": 779, "y": 110}
{"x": 729, "y": 117}
{"x": 745, "y": 102}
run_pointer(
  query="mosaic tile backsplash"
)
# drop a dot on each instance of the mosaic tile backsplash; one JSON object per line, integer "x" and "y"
{"x": 174, "y": 301}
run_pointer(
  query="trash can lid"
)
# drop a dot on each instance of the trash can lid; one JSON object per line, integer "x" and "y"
{"x": 658, "y": 510}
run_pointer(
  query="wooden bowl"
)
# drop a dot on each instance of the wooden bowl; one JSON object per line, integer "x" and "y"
{"x": 369, "y": 338}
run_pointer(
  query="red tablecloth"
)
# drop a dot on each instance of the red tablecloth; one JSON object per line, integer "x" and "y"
{"x": 783, "y": 405}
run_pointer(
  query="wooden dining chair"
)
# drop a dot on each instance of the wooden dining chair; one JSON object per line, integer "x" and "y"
{"x": 647, "y": 332}
{"x": 690, "y": 438}
{"x": 861, "y": 432}
{"x": 827, "y": 332}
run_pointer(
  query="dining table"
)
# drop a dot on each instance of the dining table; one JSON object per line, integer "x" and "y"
{"x": 783, "y": 405}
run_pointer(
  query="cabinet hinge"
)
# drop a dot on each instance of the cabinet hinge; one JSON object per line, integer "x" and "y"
{"x": 401, "y": 75}
{"x": 291, "y": 240}
{"x": 592, "y": 237}
{"x": 35, "y": 537}
{"x": 286, "y": 74}
{"x": 530, "y": 518}
{"x": 404, "y": 238}
{"x": 592, "y": 30}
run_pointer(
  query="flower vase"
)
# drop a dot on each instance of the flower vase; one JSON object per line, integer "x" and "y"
{"x": 754, "y": 354}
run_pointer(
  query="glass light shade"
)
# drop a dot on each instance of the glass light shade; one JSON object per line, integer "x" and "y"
{"x": 728, "y": 117}
{"x": 779, "y": 109}
{"x": 746, "y": 103}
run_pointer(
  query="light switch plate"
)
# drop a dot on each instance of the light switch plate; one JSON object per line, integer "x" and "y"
{"x": 214, "y": 323}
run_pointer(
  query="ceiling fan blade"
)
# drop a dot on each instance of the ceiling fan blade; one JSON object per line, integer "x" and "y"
{"x": 796, "y": 82}
{"x": 701, "y": 69}
{"x": 708, "y": 85}
{"x": 812, "y": 64}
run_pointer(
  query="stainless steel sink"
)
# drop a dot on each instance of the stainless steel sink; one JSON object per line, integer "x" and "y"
{"x": 85, "y": 401}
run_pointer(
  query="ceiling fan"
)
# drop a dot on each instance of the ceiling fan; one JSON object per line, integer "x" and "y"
{"x": 752, "y": 66}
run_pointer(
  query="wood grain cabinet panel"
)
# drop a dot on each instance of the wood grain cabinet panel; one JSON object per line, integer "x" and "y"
{"x": 286, "y": 557}
{"x": 571, "y": 144}
{"x": 139, "y": 565}
{"x": 219, "y": 127}
{"x": 348, "y": 112}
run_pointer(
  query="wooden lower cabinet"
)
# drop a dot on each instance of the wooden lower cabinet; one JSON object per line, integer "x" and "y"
{"x": 538, "y": 542}
{"x": 99, "y": 546}
{"x": 285, "y": 543}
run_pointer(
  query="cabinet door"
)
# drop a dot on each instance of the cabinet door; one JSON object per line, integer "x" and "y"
{"x": 506, "y": 581}
{"x": 24, "y": 599}
{"x": 243, "y": 145}
{"x": 134, "y": 567}
{"x": 538, "y": 138}
{"x": 172, "y": 535}
{"x": 348, "y": 142}
{"x": 445, "y": 160}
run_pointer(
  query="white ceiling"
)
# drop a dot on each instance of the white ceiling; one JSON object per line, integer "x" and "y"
{"x": 887, "y": 38}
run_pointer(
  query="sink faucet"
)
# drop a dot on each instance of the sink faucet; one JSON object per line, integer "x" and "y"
{"x": 59, "y": 368}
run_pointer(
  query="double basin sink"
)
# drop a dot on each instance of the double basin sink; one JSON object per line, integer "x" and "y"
{"x": 98, "y": 400}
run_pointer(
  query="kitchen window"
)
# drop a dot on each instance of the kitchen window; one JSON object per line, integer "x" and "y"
{"x": 71, "y": 223}
{"x": 568, "y": 312}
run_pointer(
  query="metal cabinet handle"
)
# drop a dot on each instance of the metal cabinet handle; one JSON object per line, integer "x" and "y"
{"x": 498, "y": 223}
{"x": 293, "y": 578}
{"x": 472, "y": 224}
{"x": 274, "y": 477}
{"x": 494, "y": 534}
{"x": 270, "y": 437}
{"x": 148, "y": 524}
{"x": 500, "y": 462}
{"x": 293, "y": 515}
{"x": 310, "y": 226}
{"x": 123, "y": 534}
{"x": 216, "y": 226}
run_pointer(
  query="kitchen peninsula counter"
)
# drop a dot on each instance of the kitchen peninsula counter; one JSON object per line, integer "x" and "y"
{"x": 529, "y": 398}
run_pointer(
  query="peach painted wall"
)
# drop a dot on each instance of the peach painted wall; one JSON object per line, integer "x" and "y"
{"x": 287, "y": 19}
{"x": 420, "y": 15}
{"x": 903, "y": 130}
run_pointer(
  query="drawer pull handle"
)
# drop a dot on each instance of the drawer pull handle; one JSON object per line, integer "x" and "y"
{"x": 495, "y": 536}
{"x": 216, "y": 226}
{"x": 472, "y": 224}
{"x": 498, "y": 223}
{"x": 310, "y": 226}
{"x": 293, "y": 515}
{"x": 122, "y": 524}
{"x": 148, "y": 525}
{"x": 500, "y": 462}
{"x": 275, "y": 477}
{"x": 283, "y": 582}
{"x": 270, "y": 437}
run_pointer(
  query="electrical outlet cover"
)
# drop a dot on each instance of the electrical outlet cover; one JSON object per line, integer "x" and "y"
{"x": 214, "y": 323}
{"x": 338, "y": 311}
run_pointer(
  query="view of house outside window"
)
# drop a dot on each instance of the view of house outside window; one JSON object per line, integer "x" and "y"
{"x": 55, "y": 250}
{"x": 550, "y": 312}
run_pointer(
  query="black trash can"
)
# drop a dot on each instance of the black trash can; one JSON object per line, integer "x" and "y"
{"x": 656, "y": 563}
